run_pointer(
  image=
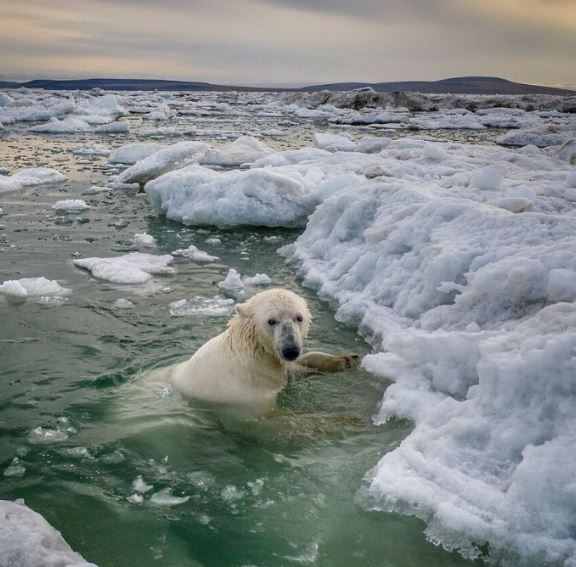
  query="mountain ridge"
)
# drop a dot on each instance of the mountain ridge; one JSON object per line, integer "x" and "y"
{"x": 452, "y": 85}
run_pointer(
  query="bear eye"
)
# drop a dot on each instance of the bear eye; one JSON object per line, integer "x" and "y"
{"x": 299, "y": 318}
{"x": 271, "y": 322}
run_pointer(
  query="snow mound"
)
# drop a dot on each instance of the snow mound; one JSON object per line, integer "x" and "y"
{"x": 200, "y": 196}
{"x": 172, "y": 157}
{"x": 133, "y": 268}
{"x": 131, "y": 153}
{"x": 245, "y": 149}
{"x": 70, "y": 205}
{"x": 30, "y": 178}
{"x": 66, "y": 126}
{"x": 27, "y": 287}
{"x": 28, "y": 540}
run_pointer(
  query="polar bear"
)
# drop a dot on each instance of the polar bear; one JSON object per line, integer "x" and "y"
{"x": 248, "y": 364}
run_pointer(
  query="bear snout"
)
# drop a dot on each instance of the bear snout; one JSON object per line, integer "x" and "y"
{"x": 290, "y": 353}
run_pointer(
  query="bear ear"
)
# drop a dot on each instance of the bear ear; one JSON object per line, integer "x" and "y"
{"x": 243, "y": 310}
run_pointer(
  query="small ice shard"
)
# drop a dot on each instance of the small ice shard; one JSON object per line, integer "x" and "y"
{"x": 194, "y": 254}
{"x": 165, "y": 498}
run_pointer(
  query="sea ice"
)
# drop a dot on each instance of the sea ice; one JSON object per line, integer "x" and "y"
{"x": 194, "y": 254}
{"x": 132, "y": 268}
{"x": 66, "y": 126}
{"x": 27, "y": 540}
{"x": 70, "y": 205}
{"x": 165, "y": 497}
{"x": 162, "y": 161}
{"x": 118, "y": 127}
{"x": 143, "y": 240}
{"x": 245, "y": 149}
{"x": 197, "y": 195}
{"x": 30, "y": 178}
{"x": 338, "y": 142}
{"x": 27, "y": 287}
{"x": 131, "y": 153}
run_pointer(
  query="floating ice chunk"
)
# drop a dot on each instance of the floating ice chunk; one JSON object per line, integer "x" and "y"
{"x": 337, "y": 142}
{"x": 66, "y": 126}
{"x": 513, "y": 204}
{"x": 165, "y": 498}
{"x": 541, "y": 136}
{"x": 135, "y": 498}
{"x": 133, "y": 268}
{"x": 245, "y": 149}
{"x": 30, "y": 178}
{"x": 231, "y": 494}
{"x": 172, "y": 157}
{"x": 194, "y": 254}
{"x": 14, "y": 469}
{"x": 200, "y": 196}
{"x": 570, "y": 194}
{"x": 70, "y": 205}
{"x": 27, "y": 287}
{"x": 27, "y": 539}
{"x": 140, "y": 486}
{"x": 202, "y": 306}
{"x": 144, "y": 240}
{"x": 488, "y": 178}
{"x": 211, "y": 240}
{"x": 234, "y": 281}
{"x": 162, "y": 112}
{"x": 131, "y": 153}
{"x": 118, "y": 127}
{"x": 123, "y": 304}
{"x": 46, "y": 436}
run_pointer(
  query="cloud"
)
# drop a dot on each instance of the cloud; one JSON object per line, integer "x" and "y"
{"x": 289, "y": 41}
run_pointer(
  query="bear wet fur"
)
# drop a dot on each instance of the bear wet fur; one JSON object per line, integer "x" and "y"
{"x": 248, "y": 364}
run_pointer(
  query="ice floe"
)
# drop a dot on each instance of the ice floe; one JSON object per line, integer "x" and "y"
{"x": 131, "y": 153}
{"x": 132, "y": 268}
{"x": 30, "y": 178}
{"x": 28, "y": 287}
{"x": 27, "y": 539}
{"x": 194, "y": 254}
{"x": 162, "y": 161}
{"x": 70, "y": 205}
{"x": 245, "y": 149}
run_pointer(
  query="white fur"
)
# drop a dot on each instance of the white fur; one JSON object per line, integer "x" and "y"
{"x": 245, "y": 365}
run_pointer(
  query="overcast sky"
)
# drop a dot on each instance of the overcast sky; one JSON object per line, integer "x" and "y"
{"x": 286, "y": 42}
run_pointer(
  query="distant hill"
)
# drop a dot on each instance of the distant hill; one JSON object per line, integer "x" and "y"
{"x": 456, "y": 85}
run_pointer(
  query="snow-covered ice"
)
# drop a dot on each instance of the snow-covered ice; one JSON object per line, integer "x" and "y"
{"x": 235, "y": 282}
{"x": 28, "y": 540}
{"x": 201, "y": 196}
{"x": 245, "y": 149}
{"x": 118, "y": 127}
{"x": 28, "y": 287}
{"x": 472, "y": 308}
{"x": 131, "y": 153}
{"x": 195, "y": 254}
{"x": 162, "y": 161}
{"x": 143, "y": 240}
{"x": 70, "y": 205}
{"x": 30, "y": 177}
{"x": 65, "y": 126}
{"x": 132, "y": 268}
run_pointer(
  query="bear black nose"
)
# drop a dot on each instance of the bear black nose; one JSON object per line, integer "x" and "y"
{"x": 291, "y": 353}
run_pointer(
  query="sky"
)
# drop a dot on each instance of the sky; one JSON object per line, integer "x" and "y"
{"x": 289, "y": 42}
